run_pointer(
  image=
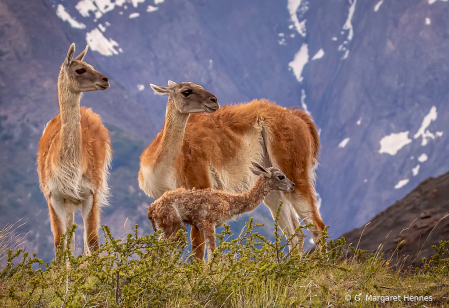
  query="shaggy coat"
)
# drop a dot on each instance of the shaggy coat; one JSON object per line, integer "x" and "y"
{"x": 215, "y": 150}
{"x": 208, "y": 208}
{"x": 95, "y": 157}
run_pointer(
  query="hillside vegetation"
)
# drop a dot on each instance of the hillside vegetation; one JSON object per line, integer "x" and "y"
{"x": 249, "y": 271}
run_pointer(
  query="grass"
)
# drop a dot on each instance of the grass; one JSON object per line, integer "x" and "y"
{"x": 9, "y": 239}
{"x": 249, "y": 271}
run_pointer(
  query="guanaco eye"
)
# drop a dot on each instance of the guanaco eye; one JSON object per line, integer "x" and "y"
{"x": 80, "y": 71}
{"x": 281, "y": 177}
{"x": 187, "y": 93}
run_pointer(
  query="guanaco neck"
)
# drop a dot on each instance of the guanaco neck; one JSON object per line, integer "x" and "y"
{"x": 172, "y": 137}
{"x": 70, "y": 135}
{"x": 252, "y": 198}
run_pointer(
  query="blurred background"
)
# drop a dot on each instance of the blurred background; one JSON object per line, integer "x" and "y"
{"x": 373, "y": 74}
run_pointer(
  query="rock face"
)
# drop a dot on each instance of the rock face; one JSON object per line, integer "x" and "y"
{"x": 421, "y": 219}
{"x": 373, "y": 75}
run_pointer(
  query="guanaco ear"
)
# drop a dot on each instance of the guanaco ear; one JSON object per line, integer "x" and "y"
{"x": 82, "y": 54}
{"x": 171, "y": 83}
{"x": 70, "y": 53}
{"x": 160, "y": 89}
{"x": 257, "y": 169}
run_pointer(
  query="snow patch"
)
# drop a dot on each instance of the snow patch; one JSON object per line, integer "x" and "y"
{"x": 98, "y": 42}
{"x": 318, "y": 55}
{"x": 101, "y": 27}
{"x": 302, "y": 28}
{"x": 281, "y": 34}
{"x": 151, "y": 8}
{"x": 348, "y": 23}
{"x": 415, "y": 170}
{"x": 423, "y": 131}
{"x": 85, "y": 6}
{"x": 439, "y": 134}
{"x": 428, "y": 21}
{"x": 300, "y": 60}
{"x": 365, "y": 180}
{"x": 359, "y": 121}
{"x": 433, "y": 1}
{"x": 334, "y": 38}
{"x": 422, "y": 158}
{"x": 158, "y": 1}
{"x": 140, "y": 87}
{"x": 65, "y": 16}
{"x": 136, "y": 2}
{"x": 401, "y": 183}
{"x": 134, "y": 15}
{"x": 344, "y": 143}
{"x": 392, "y": 143}
{"x": 292, "y": 7}
{"x": 98, "y": 7}
{"x": 377, "y": 6}
{"x": 303, "y": 103}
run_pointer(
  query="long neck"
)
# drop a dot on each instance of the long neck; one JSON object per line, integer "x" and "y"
{"x": 172, "y": 136}
{"x": 252, "y": 198}
{"x": 70, "y": 135}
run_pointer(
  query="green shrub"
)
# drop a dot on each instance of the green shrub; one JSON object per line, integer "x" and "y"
{"x": 250, "y": 271}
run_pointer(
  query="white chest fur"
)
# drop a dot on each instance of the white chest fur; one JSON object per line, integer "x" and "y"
{"x": 156, "y": 182}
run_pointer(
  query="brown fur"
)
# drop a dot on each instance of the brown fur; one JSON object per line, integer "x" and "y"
{"x": 208, "y": 208}
{"x": 55, "y": 225}
{"x": 92, "y": 226}
{"x": 95, "y": 141}
{"x": 213, "y": 141}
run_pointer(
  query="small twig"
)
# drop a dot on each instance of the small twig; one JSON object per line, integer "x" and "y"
{"x": 226, "y": 299}
{"x": 66, "y": 290}
{"x": 116, "y": 287}
{"x": 85, "y": 300}
{"x": 361, "y": 236}
{"x": 446, "y": 215}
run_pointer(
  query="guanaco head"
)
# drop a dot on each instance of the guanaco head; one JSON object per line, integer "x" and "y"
{"x": 188, "y": 97}
{"x": 78, "y": 76}
{"x": 276, "y": 178}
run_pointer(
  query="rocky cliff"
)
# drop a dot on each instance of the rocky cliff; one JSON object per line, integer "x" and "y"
{"x": 407, "y": 230}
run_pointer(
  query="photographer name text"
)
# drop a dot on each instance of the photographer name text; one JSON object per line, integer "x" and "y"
{"x": 383, "y": 299}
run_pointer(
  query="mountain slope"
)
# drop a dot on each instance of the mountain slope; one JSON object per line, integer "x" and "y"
{"x": 373, "y": 76}
{"x": 420, "y": 219}
{"x": 387, "y": 98}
